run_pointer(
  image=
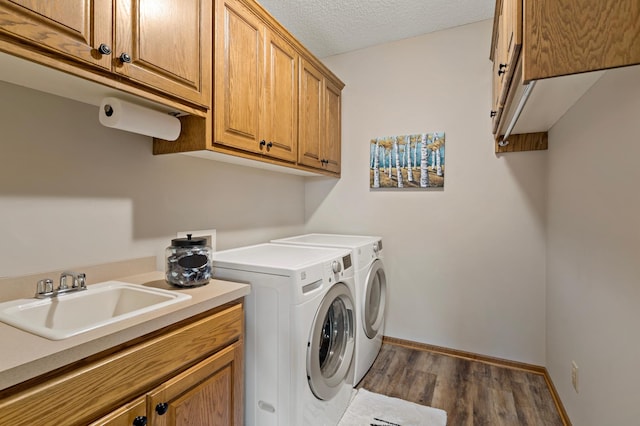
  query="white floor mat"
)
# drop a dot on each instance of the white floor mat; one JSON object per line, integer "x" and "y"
{"x": 371, "y": 409}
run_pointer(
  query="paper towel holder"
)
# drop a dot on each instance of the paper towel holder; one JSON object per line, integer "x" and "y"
{"x": 108, "y": 110}
{"x": 135, "y": 118}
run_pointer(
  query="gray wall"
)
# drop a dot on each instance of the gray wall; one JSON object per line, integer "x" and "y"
{"x": 74, "y": 193}
{"x": 466, "y": 265}
{"x": 593, "y": 248}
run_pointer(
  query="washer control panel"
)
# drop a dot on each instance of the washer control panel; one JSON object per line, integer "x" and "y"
{"x": 339, "y": 268}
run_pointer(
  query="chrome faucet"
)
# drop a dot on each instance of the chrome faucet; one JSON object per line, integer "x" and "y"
{"x": 45, "y": 287}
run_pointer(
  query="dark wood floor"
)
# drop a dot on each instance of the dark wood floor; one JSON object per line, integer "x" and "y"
{"x": 471, "y": 392}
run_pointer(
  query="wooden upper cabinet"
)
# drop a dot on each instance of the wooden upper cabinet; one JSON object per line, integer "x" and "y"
{"x": 507, "y": 43}
{"x": 161, "y": 44}
{"x": 320, "y": 117}
{"x": 511, "y": 43}
{"x": 238, "y": 77}
{"x": 574, "y": 36}
{"x": 73, "y": 28}
{"x": 311, "y": 121}
{"x": 280, "y": 113}
{"x": 256, "y": 85}
{"x": 165, "y": 44}
{"x": 332, "y": 126}
{"x": 534, "y": 42}
{"x": 273, "y": 101}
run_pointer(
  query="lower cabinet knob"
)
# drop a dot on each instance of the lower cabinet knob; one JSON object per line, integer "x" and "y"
{"x": 493, "y": 114}
{"x": 162, "y": 408}
{"x": 125, "y": 58}
{"x": 262, "y": 143}
{"x": 140, "y": 421}
{"x": 270, "y": 145}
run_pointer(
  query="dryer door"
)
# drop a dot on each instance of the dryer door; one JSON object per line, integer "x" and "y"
{"x": 375, "y": 294}
{"x": 331, "y": 343}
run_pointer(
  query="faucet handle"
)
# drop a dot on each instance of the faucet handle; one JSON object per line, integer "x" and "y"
{"x": 45, "y": 286}
{"x": 81, "y": 281}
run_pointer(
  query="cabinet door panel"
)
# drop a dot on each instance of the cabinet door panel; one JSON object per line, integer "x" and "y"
{"x": 281, "y": 112}
{"x": 575, "y": 36}
{"x": 209, "y": 393}
{"x": 74, "y": 28}
{"x": 311, "y": 116}
{"x": 238, "y": 77}
{"x": 511, "y": 28}
{"x": 332, "y": 132}
{"x": 166, "y": 41}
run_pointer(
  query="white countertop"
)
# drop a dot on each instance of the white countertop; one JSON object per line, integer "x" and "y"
{"x": 24, "y": 355}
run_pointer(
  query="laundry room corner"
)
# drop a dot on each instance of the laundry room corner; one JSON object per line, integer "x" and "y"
{"x": 465, "y": 264}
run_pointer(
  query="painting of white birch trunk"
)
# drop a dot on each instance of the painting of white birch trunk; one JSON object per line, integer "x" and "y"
{"x": 376, "y": 165}
{"x": 413, "y": 161}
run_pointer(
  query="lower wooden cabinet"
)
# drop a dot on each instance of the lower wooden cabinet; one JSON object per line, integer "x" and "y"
{"x": 190, "y": 374}
{"x": 208, "y": 393}
{"x": 134, "y": 413}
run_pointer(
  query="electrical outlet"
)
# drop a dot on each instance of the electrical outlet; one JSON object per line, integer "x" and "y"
{"x": 574, "y": 375}
{"x": 209, "y": 234}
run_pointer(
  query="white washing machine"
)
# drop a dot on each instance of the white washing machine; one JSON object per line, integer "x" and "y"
{"x": 370, "y": 293}
{"x": 300, "y": 330}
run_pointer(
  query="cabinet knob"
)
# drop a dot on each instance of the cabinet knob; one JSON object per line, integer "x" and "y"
{"x": 493, "y": 114}
{"x": 104, "y": 49}
{"x": 262, "y": 143}
{"x": 140, "y": 421}
{"x": 270, "y": 145}
{"x": 162, "y": 408}
{"x": 502, "y": 69}
{"x": 125, "y": 58}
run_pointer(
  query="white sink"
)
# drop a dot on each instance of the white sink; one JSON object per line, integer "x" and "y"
{"x": 73, "y": 313}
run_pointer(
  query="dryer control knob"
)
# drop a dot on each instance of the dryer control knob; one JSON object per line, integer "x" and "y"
{"x": 336, "y": 266}
{"x": 376, "y": 249}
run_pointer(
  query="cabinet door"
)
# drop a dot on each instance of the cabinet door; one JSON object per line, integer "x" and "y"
{"x": 499, "y": 57}
{"x": 281, "y": 93}
{"x": 132, "y": 414}
{"x": 311, "y": 116}
{"x": 511, "y": 43}
{"x": 209, "y": 393}
{"x": 238, "y": 76}
{"x": 75, "y": 28}
{"x": 332, "y": 128}
{"x": 167, "y": 43}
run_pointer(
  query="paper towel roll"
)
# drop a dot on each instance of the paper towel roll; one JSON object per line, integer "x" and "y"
{"x": 134, "y": 118}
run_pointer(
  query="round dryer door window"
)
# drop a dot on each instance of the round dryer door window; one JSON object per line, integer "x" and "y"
{"x": 374, "y": 300}
{"x": 331, "y": 343}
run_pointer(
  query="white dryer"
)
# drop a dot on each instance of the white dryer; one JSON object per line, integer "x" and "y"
{"x": 370, "y": 294}
{"x": 300, "y": 329}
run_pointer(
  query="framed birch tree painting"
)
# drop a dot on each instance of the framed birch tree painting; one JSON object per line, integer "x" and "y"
{"x": 408, "y": 161}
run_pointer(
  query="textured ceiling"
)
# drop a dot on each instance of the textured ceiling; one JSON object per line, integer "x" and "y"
{"x": 330, "y": 27}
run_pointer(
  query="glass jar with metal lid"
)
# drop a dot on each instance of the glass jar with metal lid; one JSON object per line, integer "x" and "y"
{"x": 188, "y": 262}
